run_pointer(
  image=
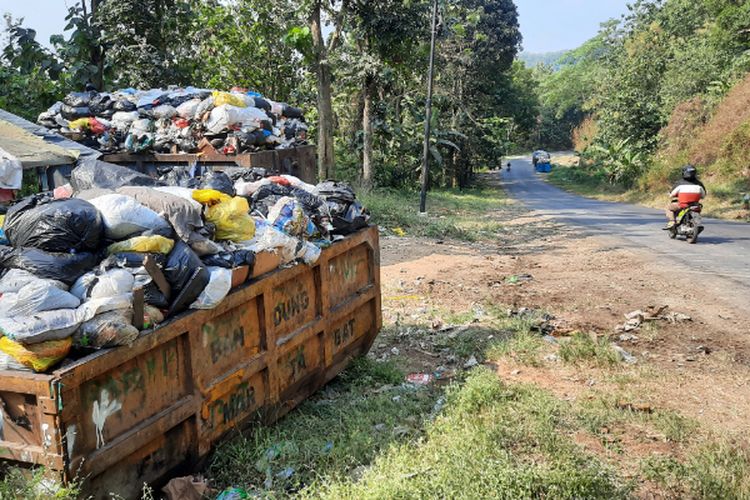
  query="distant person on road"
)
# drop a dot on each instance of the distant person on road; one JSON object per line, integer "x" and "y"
{"x": 689, "y": 190}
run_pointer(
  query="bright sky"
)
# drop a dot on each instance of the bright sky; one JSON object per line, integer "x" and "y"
{"x": 552, "y": 25}
{"x": 547, "y": 25}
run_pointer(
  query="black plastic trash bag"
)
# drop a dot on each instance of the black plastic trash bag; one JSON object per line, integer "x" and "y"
{"x": 102, "y": 105}
{"x": 230, "y": 260}
{"x": 266, "y": 197}
{"x": 79, "y": 99}
{"x": 98, "y": 174}
{"x": 59, "y": 226}
{"x": 124, "y": 105}
{"x": 248, "y": 174}
{"x": 288, "y": 111}
{"x": 347, "y": 214}
{"x": 63, "y": 267}
{"x": 180, "y": 177}
{"x": 187, "y": 276}
{"x": 73, "y": 113}
{"x": 218, "y": 181}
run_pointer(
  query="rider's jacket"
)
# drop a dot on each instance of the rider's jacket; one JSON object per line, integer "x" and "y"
{"x": 688, "y": 192}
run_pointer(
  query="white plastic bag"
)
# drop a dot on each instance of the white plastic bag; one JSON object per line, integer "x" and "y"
{"x": 124, "y": 217}
{"x": 122, "y": 120}
{"x": 47, "y": 325}
{"x": 249, "y": 188}
{"x": 11, "y": 171}
{"x": 15, "y": 279}
{"x": 39, "y": 296}
{"x": 223, "y": 117}
{"x": 164, "y": 112}
{"x": 182, "y": 192}
{"x": 218, "y": 288}
{"x": 188, "y": 109}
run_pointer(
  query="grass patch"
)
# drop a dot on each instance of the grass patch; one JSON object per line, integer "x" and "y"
{"x": 452, "y": 214}
{"x": 582, "y": 348}
{"x": 492, "y": 441}
{"x": 586, "y": 181}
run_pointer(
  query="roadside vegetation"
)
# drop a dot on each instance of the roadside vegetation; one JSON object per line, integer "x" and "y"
{"x": 468, "y": 404}
{"x": 666, "y": 85}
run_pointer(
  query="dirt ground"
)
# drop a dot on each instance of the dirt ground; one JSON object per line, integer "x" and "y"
{"x": 699, "y": 368}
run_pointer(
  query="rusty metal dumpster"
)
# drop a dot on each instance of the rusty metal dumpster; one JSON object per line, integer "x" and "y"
{"x": 125, "y": 416}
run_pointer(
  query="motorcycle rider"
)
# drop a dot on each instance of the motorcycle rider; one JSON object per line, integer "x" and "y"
{"x": 686, "y": 192}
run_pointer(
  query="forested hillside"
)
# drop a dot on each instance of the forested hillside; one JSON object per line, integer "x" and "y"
{"x": 666, "y": 85}
{"x": 358, "y": 68}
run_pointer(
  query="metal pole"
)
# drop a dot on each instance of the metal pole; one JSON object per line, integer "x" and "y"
{"x": 428, "y": 114}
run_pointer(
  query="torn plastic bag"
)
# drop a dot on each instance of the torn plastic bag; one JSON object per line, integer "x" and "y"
{"x": 37, "y": 357}
{"x": 124, "y": 217}
{"x": 56, "y": 266}
{"x": 218, "y": 181}
{"x": 124, "y": 105}
{"x": 11, "y": 171}
{"x": 58, "y": 226}
{"x": 110, "y": 329}
{"x": 39, "y": 296}
{"x": 219, "y": 286}
{"x": 187, "y": 276}
{"x": 244, "y": 188}
{"x": 98, "y": 174}
{"x": 41, "y": 327}
{"x": 15, "y": 279}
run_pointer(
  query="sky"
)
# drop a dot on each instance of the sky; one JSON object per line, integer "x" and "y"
{"x": 553, "y": 25}
{"x": 547, "y": 25}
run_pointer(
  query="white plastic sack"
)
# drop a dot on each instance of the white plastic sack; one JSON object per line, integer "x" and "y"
{"x": 249, "y": 188}
{"x": 188, "y": 109}
{"x": 124, "y": 217}
{"x": 164, "y": 112}
{"x": 218, "y": 288}
{"x": 11, "y": 171}
{"x": 299, "y": 184}
{"x": 122, "y": 120}
{"x": 38, "y": 296}
{"x": 113, "y": 283}
{"x": 41, "y": 327}
{"x": 15, "y": 279}
{"x": 225, "y": 116}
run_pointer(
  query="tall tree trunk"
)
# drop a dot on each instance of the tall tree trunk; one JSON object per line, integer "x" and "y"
{"x": 326, "y": 158}
{"x": 367, "y": 138}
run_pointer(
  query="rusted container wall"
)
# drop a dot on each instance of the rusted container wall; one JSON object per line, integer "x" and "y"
{"x": 126, "y": 416}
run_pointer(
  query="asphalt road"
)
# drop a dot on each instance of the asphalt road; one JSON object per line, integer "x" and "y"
{"x": 721, "y": 256}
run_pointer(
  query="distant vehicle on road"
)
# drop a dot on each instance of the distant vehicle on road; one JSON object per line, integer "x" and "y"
{"x": 542, "y": 161}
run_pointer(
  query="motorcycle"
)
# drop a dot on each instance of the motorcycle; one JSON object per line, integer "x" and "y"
{"x": 688, "y": 223}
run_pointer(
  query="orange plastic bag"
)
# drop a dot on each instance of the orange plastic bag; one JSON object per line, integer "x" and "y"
{"x": 39, "y": 357}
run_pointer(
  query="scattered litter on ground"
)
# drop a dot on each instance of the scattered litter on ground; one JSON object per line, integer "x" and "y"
{"x": 624, "y": 355}
{"x": 186, "y": 488}
{"x": 636, "y": 319}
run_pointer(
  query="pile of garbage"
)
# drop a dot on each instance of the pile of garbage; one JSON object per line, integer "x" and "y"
{"x": 73, "y": 260}
{"x": 176, "y": 120}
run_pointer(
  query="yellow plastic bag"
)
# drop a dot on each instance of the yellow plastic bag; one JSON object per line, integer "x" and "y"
{"x": 221, "y": 98}
{"x": 79, "y": 124}
{"x": 231, "y": 216}
{"x": 39, "y": 357}
{"x": 142, "y": 244}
